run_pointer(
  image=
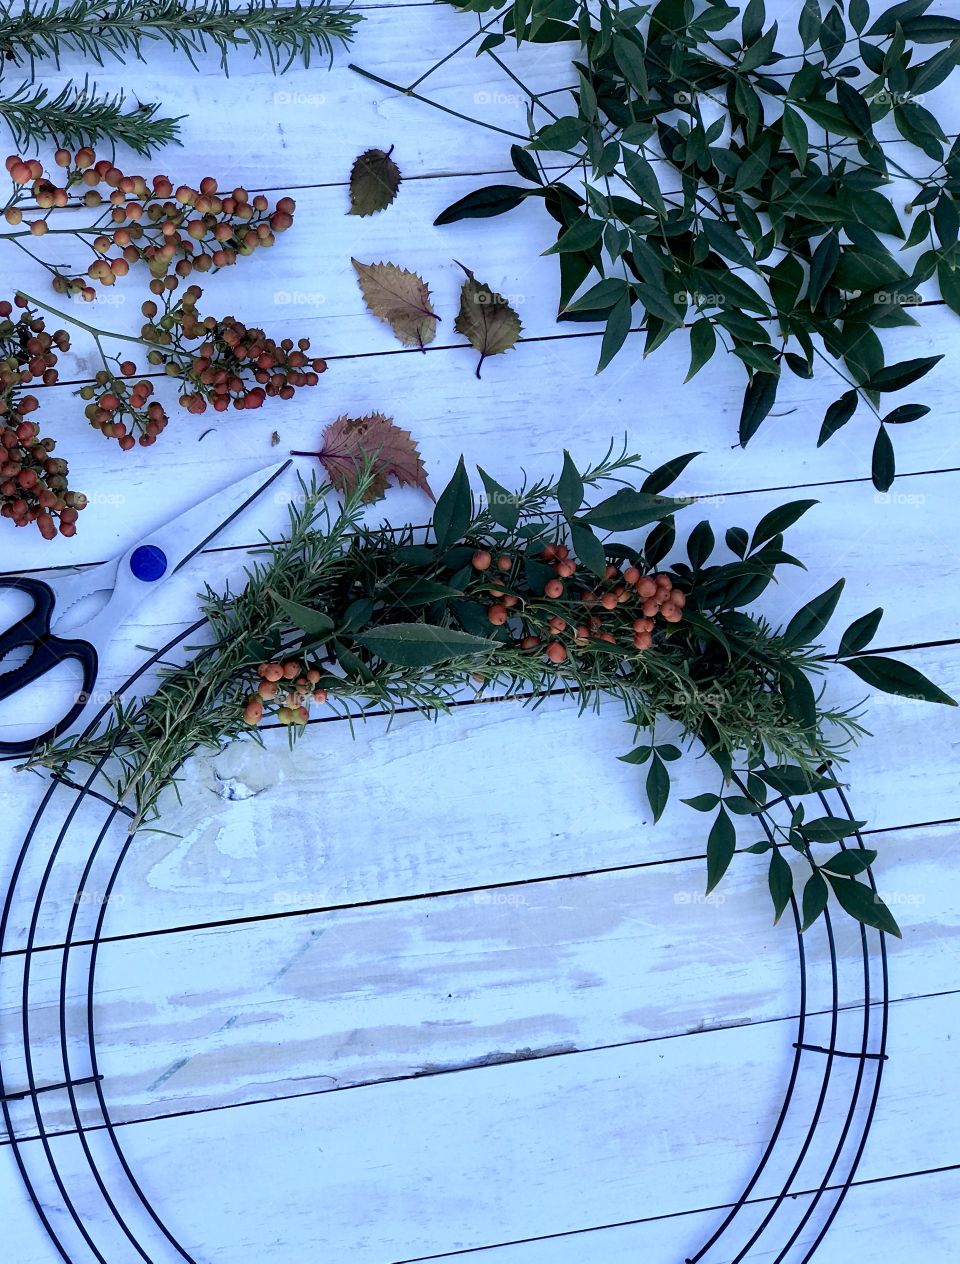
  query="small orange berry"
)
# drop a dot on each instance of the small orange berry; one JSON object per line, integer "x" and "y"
{"x": 529, "y": 642}
{"x": 650, "y": 607}
{"x": 319, "y": 695}
{"x": 646, "y": 587}
{"x": 609, "y": 601}
{"x": 672, "y": 613}
{"x": 631, "y": 574}
{"x": 611, "y": 572}
{"x": 663, "y": 581}
{"x": 678, "y": 598}
{"x": 509, "y": 601}
{"x": 556, "y": 652}
{"x": 481, "y": 560}
{"x": 553, "y": 588}
{"x": 549, "y": 553}
{"x": 290, "y": 669}
{"x": 562, "y": 552}
{"x": 566, "y": 569}
{"x": 497, "y": 615}
{"x": 642, "y": 641}
{"x": 504, "y": 563}
{"x": 558, "y": 624}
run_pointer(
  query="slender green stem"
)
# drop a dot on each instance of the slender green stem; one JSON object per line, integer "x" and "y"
{"x": 445, "y": 109}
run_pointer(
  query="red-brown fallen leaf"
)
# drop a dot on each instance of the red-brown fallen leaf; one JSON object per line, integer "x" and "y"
{"x": 349, "y": 442}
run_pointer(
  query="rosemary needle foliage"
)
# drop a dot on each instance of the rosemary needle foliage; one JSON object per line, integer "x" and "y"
{"x": 518, "y": 595}
{"x": 124, "y": 30}
{"x": 732, "y": 186}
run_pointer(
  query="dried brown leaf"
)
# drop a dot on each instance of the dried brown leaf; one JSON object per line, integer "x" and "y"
{"x": 349, "y": 442}
{"x": 486, "y": 319}
{"x": 400, "y": 298}
{"x": 374, "y": 181}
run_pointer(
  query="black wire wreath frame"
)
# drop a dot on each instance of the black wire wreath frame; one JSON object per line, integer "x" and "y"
{"x": 835, "y": 1183}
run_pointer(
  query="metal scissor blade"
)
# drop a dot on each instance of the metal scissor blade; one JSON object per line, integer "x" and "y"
{"x": 183, "y": 537}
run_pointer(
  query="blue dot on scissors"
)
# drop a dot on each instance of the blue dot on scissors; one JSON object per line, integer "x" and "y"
{"x": 148, "y": 563}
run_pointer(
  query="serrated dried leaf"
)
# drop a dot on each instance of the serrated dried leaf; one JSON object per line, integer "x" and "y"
{"x": 374, "y": 181}
{"x": 486, "y": 319}
{"x": 400, "y": 298}
{"x": 349, "y": 442}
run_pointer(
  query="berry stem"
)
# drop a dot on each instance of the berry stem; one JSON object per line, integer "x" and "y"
{"x": 82, "y": 324}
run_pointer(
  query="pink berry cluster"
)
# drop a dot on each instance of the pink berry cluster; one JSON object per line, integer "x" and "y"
{"x": 33, "y": 483}
{"x": 175, "y": 231}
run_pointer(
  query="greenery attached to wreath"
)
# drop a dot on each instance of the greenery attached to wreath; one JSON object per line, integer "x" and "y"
{"x": 742, "y": 192}
{"x": 526, "y": 595}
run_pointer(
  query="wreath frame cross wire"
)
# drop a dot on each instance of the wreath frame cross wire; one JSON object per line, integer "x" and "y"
{"x": 761, "y": 1221}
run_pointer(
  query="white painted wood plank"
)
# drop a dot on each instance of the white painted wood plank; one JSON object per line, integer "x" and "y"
{"x": 447, "y": 1163}
{"x": 322, "y": 1002}
{"x": 897, "y": 1214}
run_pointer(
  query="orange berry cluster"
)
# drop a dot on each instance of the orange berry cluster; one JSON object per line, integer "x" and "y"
{"x": 234, "y": 364}
{"x": 119, "y": 409}
{"x": 289, "y": 686}
{"x": 655, "y": 594}
{"x": 174, "y": 231}
{"x": 33, "y": 484}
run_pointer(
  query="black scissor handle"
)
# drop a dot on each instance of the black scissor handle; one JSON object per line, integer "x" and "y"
{"x": 47, "y": 651}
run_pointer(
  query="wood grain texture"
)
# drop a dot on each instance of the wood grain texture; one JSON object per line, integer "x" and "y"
{"x": 454, "y": 1162}
{"x": 405, "y": 1022}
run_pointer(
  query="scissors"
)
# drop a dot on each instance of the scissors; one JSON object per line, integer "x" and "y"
{"x": 129, "y": 578}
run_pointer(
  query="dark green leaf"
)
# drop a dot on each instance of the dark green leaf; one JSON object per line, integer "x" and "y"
{"x": 502, "y": 506}
{"x": 658, "y": 786}
{"x": 892, "y": 676}
{"x": 726, "y": 241}
{"x": 721, "y": 844}
{"x": 895, "y": 376}
{"x": 860, "y": 633}
{"x": 759, "y": 398}
{"x": 778, "y": 520}
{"x": 495, "y": 199}
{"x": 830, "y": 829}
{"x": 780, "y": 881}
{"x": 838, "y": 414}
{"x": 700, "y": 544}
{"x": 454, "y": 509}
{"x": 615, "y": 333}
{"x": 883, "y": 463}
{"x": 703, "y": 343}
{"x": 815, "y": 896}
{"x": 791, "y": 780}
{"x": 587, "y": 547}
{"x": 849, "y": 863}
{"x": 581, "y": 235}
{"x": 863, "y": 903}
{"x": 628, "y": 510}
{"x": 822, "y": 267}
{"x": 569, "y": 488}
{"x": 659, "y": 480}
{"x": 905, "y": 413}
{"x": 422, "y": 644}
{"x": 703, "y": 802}
{"x": 525, "y": 165}
{"x": 807, "y": 624}
{"x": 314, "y": 622}
{"x": 639, "y": 755}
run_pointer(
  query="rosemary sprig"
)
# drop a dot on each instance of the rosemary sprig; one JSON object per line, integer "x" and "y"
{"x": 125, "y": 29}
{"x": 77, "y": 115}
{"x": 97, "y": 29}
